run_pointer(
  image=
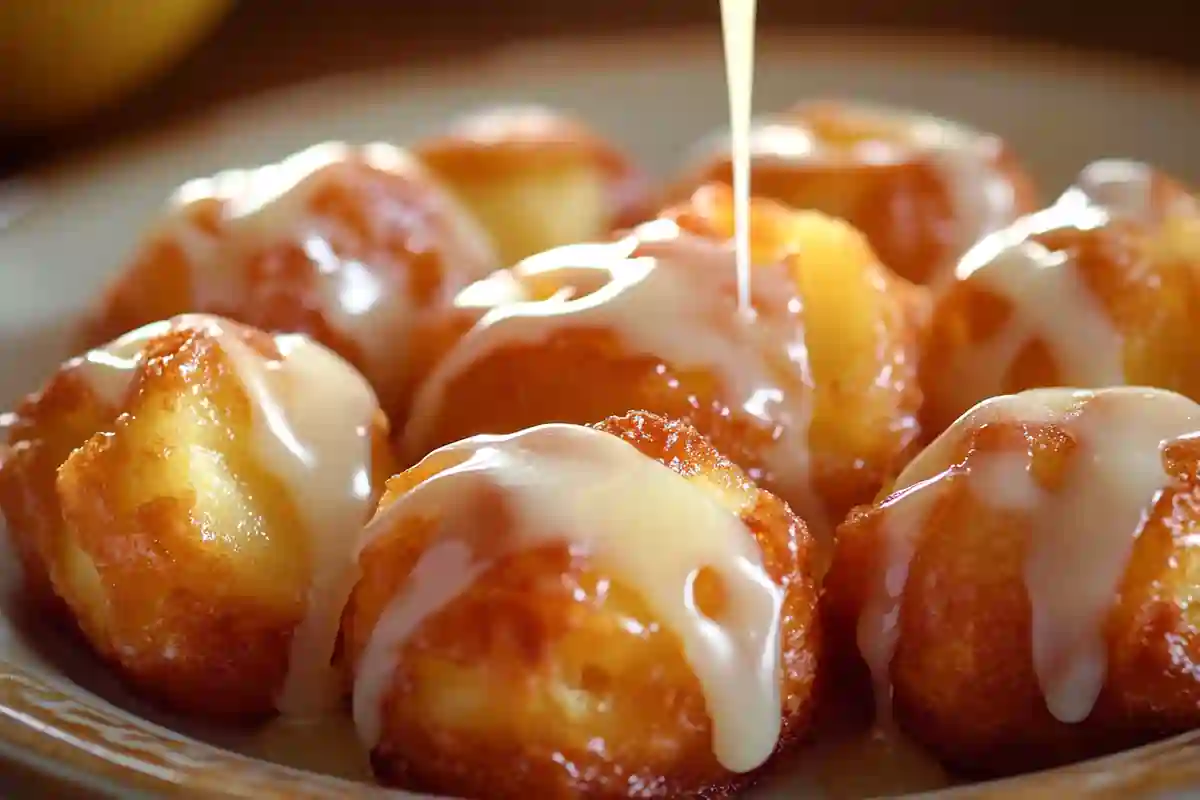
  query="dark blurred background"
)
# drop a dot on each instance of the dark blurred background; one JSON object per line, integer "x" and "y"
{"x": 258, "y": 44}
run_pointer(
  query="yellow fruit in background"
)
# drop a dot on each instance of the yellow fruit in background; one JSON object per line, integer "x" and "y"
{"x": 60, "y": 59}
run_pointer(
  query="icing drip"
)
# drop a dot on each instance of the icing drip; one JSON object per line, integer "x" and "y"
{"x": 671, "y": 295}
{"x": 312, "y": 417}
{"x": 370, "y": 301}
{"x": 635, "y": 517}
{"x": 1050, "y": 301}
{"x": 1081, "y": 534}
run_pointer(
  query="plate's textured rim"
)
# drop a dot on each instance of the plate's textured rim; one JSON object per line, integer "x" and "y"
{"x": 105, "y": 749}
{"x": 46, "y": 725}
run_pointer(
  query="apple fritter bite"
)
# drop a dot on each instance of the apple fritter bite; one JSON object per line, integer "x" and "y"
{"x": 605, "y": 611}
{"x": 1100, "y": 289}
{"x": 359, "y": 247}
{"x": 922, "y": 189}
{"x": 536, "y": 178}
{"x": 1023, "y": 596}
{"x": 202, "y": 532}
{"x": 814, "y": 394}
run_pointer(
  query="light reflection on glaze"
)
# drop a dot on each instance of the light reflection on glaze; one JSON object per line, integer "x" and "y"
{"x": 109, "y": 370}
{"x": 1081, "y": 534}
{"x": 370, "y": 301}
{"x": 632, "y": 515}
{"x": 670, "y": 295}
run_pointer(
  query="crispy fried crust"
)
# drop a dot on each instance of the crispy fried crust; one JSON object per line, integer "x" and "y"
{"x": 44, "y": 429}
{"x": 902, "y": 203}
{"x": 546, "y": 678}
{"x": 362, "y": 220}
{"x": 179, "y": 554}
{"x": 962, "y": 672}
{"x": 1144, "y": 277}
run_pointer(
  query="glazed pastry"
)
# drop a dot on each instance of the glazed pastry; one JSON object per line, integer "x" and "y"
{"x": 1100, "y": 289}
{"x": 567, "y": 611}
{"x": 922, "y": 189}
{"x": 537, "y": 179}
{"x": 814, "y": 394}
{"x": 211, "y": 484}
{"x": 1022, "y": 597}
{"x": 358, "y": 247}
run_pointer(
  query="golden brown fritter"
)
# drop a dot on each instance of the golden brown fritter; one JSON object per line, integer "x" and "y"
{"x": 836, "y": 331}
{"x": 173, "y": 531}
{"x": 548, "y": 676}
{"x": 536, "y": 179}
{"x": 1009, "y": 491}
{"x": 358, "y": 247}
{"x": 44, "y": 429}
{"x": 921, "y": 189}
{"x": 1097, "y": 290}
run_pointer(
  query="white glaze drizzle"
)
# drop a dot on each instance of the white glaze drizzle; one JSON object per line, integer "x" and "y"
{"x": 1117, "y": 187}
{"x": 632, "y": 515}
{"x": 737, "y": 28}
{"x": 1081, "y": 534}
{"x": 981, "y": 196}
{"x": 905, "y": 512}
{"x": 312, "y": 416}
{"x": 108, "y": 370}
{"x": 1050, "y": 301}
{"x": 671, "y": 301}
{"x": 916, "y": 492}
{"x": 367, "y": 301}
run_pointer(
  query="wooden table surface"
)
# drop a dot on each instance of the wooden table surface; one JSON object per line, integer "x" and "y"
{"x": 268, "y": 43}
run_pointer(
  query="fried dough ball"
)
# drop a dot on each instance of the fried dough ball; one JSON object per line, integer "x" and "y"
{"x": 536, "y": 178}
{"x": 522, "y": 626}
{"x": 1024, "y": 594}
{"x": 358, "y": 247}
{"x": 37, "y": 438}
{"x": 210, "y": 482}
{"x": 1100, "y": 289}
{"x": 815, "y": 396}
{"x": 922, "y": 189}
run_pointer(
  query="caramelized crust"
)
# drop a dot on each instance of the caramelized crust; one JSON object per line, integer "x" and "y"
{"x": 1140, "y": 274}
{"x": 547, "y": 677}
{"x": 354, "y": 246}
{"x": 881, "y": 170}
{"x": 176, "y": 548}
{"x": 852, "y": 332}
{"x": 962, "y": 672}
{"x": 45, "y": 428}
{"x": 537, "y": 179}
{"x": 861, "y": 333}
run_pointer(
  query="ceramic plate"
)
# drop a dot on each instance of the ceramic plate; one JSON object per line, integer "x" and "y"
{"x": 62, "y": 231}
